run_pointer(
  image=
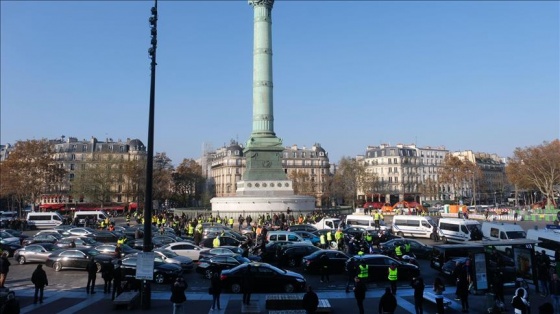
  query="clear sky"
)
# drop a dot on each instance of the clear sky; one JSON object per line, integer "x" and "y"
{"x": 467, "y": 75}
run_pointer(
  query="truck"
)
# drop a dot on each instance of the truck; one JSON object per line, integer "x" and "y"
{"x": 327, "y": 223}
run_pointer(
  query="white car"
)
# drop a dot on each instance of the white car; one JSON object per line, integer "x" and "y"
{"x": 187, "y": 249}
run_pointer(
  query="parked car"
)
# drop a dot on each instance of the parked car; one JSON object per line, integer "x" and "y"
{"x": 263, "y": 275}
{"x": 309, "y": 237}
{"x": 337, "y": 261}
{"x": 216, "y": 264}
{"x": 378, "y": 267}
{"x": 76, "y": 259}
{"x": 224, "y": 240}
{"x": 17, "y": 234}
{"x": 79, "y": 232}
{"x": 109, "y": 249}
{"x": 272, "y": 249}
{"x": 38, "y": 252}
{"x": 171, "y": 257}
{"x": 187, "y": 249}
{"x": 292, "y": 255}
{"x": 105, "y": 236}
{"x": 419, "y": 249}
{"x": 43, "y": 238}
{"x": 302, "y": 227}
{"x": 163, "y": 272}
{"x": 222, "y": 250}
{"x": 81, "y": 242}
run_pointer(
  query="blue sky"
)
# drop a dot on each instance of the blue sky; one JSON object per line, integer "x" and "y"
{"x": 475, "y": 75}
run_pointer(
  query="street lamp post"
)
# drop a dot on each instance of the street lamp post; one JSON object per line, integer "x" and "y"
{"x": 145, "y": 299}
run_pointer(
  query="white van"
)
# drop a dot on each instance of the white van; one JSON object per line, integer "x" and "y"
{"x": 413, "y": 226}
{"x": 272, "y": 236}
{"x": 364, "y": 221}
{"x": 502, "y": 231}
{"x": 459, "y": 230}
{"x": 549, "y": 241}
{"x": 37, "y": 220}
{"x": 94, "y": 215}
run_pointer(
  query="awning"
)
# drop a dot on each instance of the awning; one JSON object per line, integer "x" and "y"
{"x": 133, "y": 205}
{"x": 52, "y": 206}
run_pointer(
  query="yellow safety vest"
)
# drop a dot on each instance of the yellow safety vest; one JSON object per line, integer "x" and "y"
{"x": 216, "y": 242}
{"x": 322, "y": 238}
{"x": 329, "y": 236}
{"x": 191, "y": 230}
{"x": 363, "y": 271}
{"x": 338, "y": 235}
{"x": 407, "y": 247}
{"x": 398, "y": 250}
{"x": 392, "y": 274}
{"x": 376, "y": 216}
{"x": 369, "y": 238}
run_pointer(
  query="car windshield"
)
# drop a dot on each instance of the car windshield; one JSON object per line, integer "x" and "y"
{"x": 93, "y": 252}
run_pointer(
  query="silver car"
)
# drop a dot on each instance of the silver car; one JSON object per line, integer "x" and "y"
{"x": 34, "y": 253}
{"x": 171, "y": 257}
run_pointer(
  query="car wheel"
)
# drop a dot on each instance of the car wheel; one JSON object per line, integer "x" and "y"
{"x": 235, "y": 288}
{"x": 159, "y": 278}
{"x": 21, "y": 260}
{"x": 57, "y": 266}
{"x": 292, "y": 262}
{"x": 289, "y": 288}
{"x": 208, "y": 274}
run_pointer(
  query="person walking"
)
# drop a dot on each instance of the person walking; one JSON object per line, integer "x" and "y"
{"x": 393, "y": 277}
{"x": 519, "y": 302}
{"x": 463, "y": 292}
{"x": 4, "y": 268}
{"x": 352, "y": 271}
{"x": 498, "y": 288}
{"x": 439, "y": 287}
{"x": 359, "y": 293}
{"x": 39, "y": 280}
{"x": 107, "y": 273}
{"x": 117, "y": 280}
{"x": 388, "y": 302}
{"x": 310, "y": 301}
{"x": 247, "y": 285}
{"x": 215, "y": 290}
{"x": 178, "y": 296}
{"x": 555, "y": 292}
{"x": 418, "y": 285}
{"x": 324, "y": 262}
{"x": 91, "y": 269}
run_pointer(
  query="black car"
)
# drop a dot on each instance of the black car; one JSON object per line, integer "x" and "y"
{"x": 43, "y": 238}
{"x": 419, "y": 249}
{"x": 157, "y": 241}
{"x": 270, "y": 253}
{"x": 303, "y": 227}
{"x": 163, "y": 272}
{"x": 222, "y": 250}
{"x": 264, "y": 277}
{"x": 442, "y": 253}
{"x": 105, "y": 236}
{"x": 109, "y": 249}
{"x": 218, "y": 263}
{"x": 291, "y": 255}
{"x": 337, "y": 261}
{"x": 378, "y": 267}
{"x": 81, "y": 242}
{"x": 76, "y": 259}
{"x": 16, "y": 233}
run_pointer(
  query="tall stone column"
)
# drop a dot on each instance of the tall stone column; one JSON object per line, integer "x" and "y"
{"x": 263, "y": 152}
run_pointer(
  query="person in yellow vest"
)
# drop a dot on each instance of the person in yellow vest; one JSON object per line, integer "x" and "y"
{"x": 107, "y": 221}
{"x": 218, "y": 220}
{"x": 102, "y": 225}
{"x": 329, "y": 239}
{"x": 406, "y": 248}
{"x": 230, "y": 221}
{"x": 398, "y": 251}
{"x": 363, "y": 271}
{"x": 376, "y": 218}
{"x": 163, "y": 221}
{"x": 393, "y": 276}
{"x": 339, "y": 236}
{"x": 216, "y": 242}
{"x": 190, "y": 230}
{"x": 323, "y": 241}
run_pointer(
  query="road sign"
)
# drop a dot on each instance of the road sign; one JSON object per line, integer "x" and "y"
{"x": 145, "y": 266}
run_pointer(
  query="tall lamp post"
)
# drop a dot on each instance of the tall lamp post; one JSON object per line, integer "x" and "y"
{"x": 145, "y": 299}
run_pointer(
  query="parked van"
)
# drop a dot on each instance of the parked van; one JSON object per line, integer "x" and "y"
{"x": 364, "y": 221}
{"x": 413, "y": 226}
{"x": 272, "y": 236}
{"x": 94, "y": 216}
{"x": 49, "y": 220}
{"x": 502, "y": 231}
{"x": 459, "y": 230}
{"x": 549, "y": 241}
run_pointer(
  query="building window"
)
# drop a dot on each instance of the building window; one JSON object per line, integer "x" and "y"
{"x": 236, "y": 153}
{"x": 73, "y": 157}
{"x": 303, "y": 155}
{"x": 71, "y": 166}
{"x": 321, "y": 154}
{"x": 294, "y": 155}
{"x": 71, "y": 176}
{"x": 395, "y": 161}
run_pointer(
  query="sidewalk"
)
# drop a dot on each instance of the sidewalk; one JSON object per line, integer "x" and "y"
{"x": 67, "y": 302}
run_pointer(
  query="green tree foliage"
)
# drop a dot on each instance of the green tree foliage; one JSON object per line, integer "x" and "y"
{"x": 536, "y": 168}
{"x": 30, "y": 172}
{"x": 187, "y": 183}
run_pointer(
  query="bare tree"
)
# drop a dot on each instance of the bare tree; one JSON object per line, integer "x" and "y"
{"x": 347, "y": 179}
{"x": 187, "y": 183}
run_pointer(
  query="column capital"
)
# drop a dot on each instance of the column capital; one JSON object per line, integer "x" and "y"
{"x": 258, "y": 3}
